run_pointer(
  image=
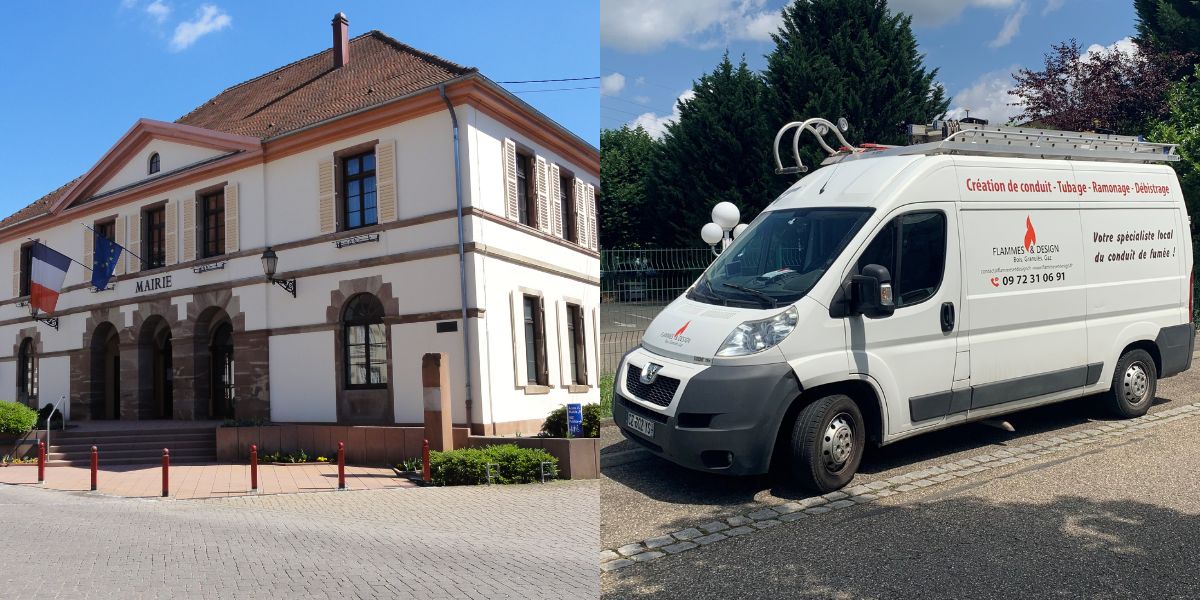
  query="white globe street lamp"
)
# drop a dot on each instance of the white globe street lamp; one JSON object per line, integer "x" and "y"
{"x": 724, "y": 228}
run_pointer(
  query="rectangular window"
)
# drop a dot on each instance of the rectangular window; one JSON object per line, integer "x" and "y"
{"x": 154, "y": 244}
{"x": 535, "y": 342}
{"x": 524, "y": 189}
{"x": 212, "y": 224}
{"x": 26, "y": 268}
{"x": 366, "y": 355}
{"x": 359, "y": 206}
{"x": 566, "y": 197}
{"x": 107, "y": 230}
{"x": 912, "y": 247}
{"x": 575, "y": 334}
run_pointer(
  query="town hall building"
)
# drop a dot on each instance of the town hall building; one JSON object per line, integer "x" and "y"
{"x": 298, "y": 242}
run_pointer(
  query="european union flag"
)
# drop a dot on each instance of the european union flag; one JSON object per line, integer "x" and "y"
{"x": 104, "y": 262}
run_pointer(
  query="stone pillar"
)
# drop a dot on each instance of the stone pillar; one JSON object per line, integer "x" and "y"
{"x": 435, "y": 383}
{"x": 81, "y": 395}
{"x": 132, "y": 383}
{"x": 251, "y": 375}
{"x": 185, "y": 405}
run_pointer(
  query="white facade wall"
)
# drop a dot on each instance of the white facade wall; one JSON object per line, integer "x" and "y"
{"x": 279, "y": 206}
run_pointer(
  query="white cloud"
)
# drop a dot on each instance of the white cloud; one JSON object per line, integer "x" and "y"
{"x": 645, "y": 25}
{"x": 128, "y": 3}
{"x": 158, "y": 11}
{"x": 642, "y": 99}
{"x": 1052, "y": 5}
{"x": 1124, "y": 45}
{"x": 612, "y": 84}
{"x": 1011, "y": 27}
{"x": 656, "y": 125}
{"x": 933, "y": 13}
{"x": 207, "y": 20}
{"x": 641, "y": 80}
{"x": 988, "y": 98}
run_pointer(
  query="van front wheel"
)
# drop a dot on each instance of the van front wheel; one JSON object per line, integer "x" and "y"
{"x": 1134, "y": 384}
{"x": 827, "y": 443}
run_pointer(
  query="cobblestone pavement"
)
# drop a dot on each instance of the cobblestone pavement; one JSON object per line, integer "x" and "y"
{"x": 530, "y": 541}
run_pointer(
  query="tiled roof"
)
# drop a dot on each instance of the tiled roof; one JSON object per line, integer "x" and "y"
{"x": 306, "y": 92}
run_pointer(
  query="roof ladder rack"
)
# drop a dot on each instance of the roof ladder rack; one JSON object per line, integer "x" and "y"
{"x": 984, "y": 140}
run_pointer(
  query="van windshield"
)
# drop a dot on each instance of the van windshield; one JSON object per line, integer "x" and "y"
{"x": 779, "y": 257}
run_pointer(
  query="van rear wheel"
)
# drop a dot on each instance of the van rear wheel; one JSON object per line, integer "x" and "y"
{"x": 1134, "y": 383}
{"x": 827, "y": 443}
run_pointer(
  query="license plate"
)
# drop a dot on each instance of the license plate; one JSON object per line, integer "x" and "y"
{"x": 640, "y": 424}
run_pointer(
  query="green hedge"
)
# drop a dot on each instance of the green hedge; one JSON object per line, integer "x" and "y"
{"x": 468, "y": 466}
{"x": 16, "y": 418}
{"x": 555, "y": 424}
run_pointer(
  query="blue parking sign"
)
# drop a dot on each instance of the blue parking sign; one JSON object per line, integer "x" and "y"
{"x": 575, "y": 420}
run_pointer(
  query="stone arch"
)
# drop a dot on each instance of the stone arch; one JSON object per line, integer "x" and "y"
{"x": 83, "y": 392}
{"x": 35, "y": 346}
{"x": 155, "y": 382}
{"x": 362, "y": 406}
{"x": 103, "y": 396}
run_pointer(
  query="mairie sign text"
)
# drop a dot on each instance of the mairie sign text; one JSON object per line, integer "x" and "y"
{"x": 154, "y": 283}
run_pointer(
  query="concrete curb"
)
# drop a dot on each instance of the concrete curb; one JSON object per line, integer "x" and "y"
{"x": 772, "y": 515}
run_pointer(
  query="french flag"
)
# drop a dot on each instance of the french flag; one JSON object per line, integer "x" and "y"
{"x": 49, "y": 269}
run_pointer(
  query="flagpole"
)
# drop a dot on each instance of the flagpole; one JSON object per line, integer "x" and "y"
{"x": 68, "y": 257}
{"x": 113, "y": 242}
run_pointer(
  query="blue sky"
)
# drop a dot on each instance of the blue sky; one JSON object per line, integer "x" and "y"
{"x": 78, "y": 74}
{"x": 652, "y": 50}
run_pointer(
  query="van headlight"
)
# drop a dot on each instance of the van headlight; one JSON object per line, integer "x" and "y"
{"x": 756, "y": 336}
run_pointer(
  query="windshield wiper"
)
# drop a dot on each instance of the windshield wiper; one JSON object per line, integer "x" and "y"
{"x": 771, "y": 303}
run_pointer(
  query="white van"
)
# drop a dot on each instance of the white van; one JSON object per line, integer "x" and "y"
{"x": 902, "y": 290}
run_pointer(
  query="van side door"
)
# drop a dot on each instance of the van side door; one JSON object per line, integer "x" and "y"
{"x": 911, "y": 353}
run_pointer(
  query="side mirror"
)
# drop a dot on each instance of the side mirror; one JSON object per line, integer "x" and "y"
{"x": 871, "y": 292}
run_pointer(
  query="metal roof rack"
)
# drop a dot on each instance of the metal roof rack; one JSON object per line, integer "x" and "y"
{"x": 955, "y": 137}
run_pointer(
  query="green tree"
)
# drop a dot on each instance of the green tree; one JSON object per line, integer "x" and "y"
{"x": 1182, "y": 127}
{"x": 625, "y": 156}
{"x": 853, "y": 59}
{"x": 718, "y": 150}
{"x": 1165, "y": 26}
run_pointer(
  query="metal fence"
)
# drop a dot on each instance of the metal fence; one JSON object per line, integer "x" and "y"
{"x": 634, "y": 286}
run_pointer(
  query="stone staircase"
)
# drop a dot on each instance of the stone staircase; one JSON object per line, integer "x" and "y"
{"x": 131, "y": 447}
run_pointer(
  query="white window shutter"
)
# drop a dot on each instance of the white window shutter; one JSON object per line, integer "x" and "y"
{"x": 325, "y": 179}
{"x": 543, "y": 196}
{"x": 555, "y": 203}
{"x": 16, "y": 273}
{"x": 135, "y": 241}
{"x": 511, "y": 209}
{"x": 88, "y": 246}
{"x": 172, "y": 237}
{"x": 564, "y": 344}
{"x": 385, "y": 180}
{"x": 119, "y": 234}
{"x": 233, "y": 241}
{"x": 518, "y": 329}
{"x": 580, "y": 213}
{"x": 593, "y": 240}
{"x": 189, "y": 229}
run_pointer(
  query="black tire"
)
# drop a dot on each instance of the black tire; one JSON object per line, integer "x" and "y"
{"x": 814, "y": 435}
{"x": 1135, "y": 381}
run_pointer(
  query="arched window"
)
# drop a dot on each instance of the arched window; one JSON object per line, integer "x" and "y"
{"x": 27, "y": 376}
{"x": 365, "y": 341}
{"x": 154, "y": 166}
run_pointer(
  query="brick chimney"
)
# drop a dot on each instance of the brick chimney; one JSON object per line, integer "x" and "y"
{"x": 341, "y": 40}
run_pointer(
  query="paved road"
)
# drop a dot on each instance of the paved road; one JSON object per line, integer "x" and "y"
{"x": 530, "y": 541}
{"x": 1105, "y": 510}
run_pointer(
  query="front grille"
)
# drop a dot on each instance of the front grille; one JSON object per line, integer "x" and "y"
{"x": 634, "y": 407}
{"x": 661, "y": 392}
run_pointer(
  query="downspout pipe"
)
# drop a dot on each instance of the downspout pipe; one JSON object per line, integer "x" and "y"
{"x": 462, "y": 254}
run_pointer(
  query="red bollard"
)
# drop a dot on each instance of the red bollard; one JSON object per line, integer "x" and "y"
{"x": 341, "y": 465}
{"x": 254, "y": 467}
{"x": 166, "y": 471}
{"x": 95, "y": 466}
{"x": 41, "y": 462}
{"x": 425, "y": 462}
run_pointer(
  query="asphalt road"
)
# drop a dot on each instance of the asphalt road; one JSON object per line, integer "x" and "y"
{"x": 1113, "y": 519}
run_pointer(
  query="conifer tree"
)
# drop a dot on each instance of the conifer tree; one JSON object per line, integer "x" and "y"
{"x": 625, "y": 156}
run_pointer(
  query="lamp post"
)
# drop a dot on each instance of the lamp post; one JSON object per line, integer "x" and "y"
{"x": 724, "y": 227}
{"x": 270, "y": 261}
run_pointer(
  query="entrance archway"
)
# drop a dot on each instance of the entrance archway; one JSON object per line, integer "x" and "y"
{"x": 221, "y": 372}
{"x": 106, "y": 372}
{"x": 155, "y": 371}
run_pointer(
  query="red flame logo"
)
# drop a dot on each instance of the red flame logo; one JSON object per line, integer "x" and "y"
{"x": 682, "y": 329}
{"x": 1030, "y": 235}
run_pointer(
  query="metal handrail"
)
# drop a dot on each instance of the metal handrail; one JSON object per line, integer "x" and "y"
{"x": 50, "y": 418}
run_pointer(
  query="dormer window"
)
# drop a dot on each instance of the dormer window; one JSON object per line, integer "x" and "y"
{"x": 154, "y": 166}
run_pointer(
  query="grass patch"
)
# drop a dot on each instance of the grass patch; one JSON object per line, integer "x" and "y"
{"x": 606, "y": 396}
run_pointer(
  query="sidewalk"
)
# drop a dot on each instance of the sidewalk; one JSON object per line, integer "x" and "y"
{"x": 204, "y": 481}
